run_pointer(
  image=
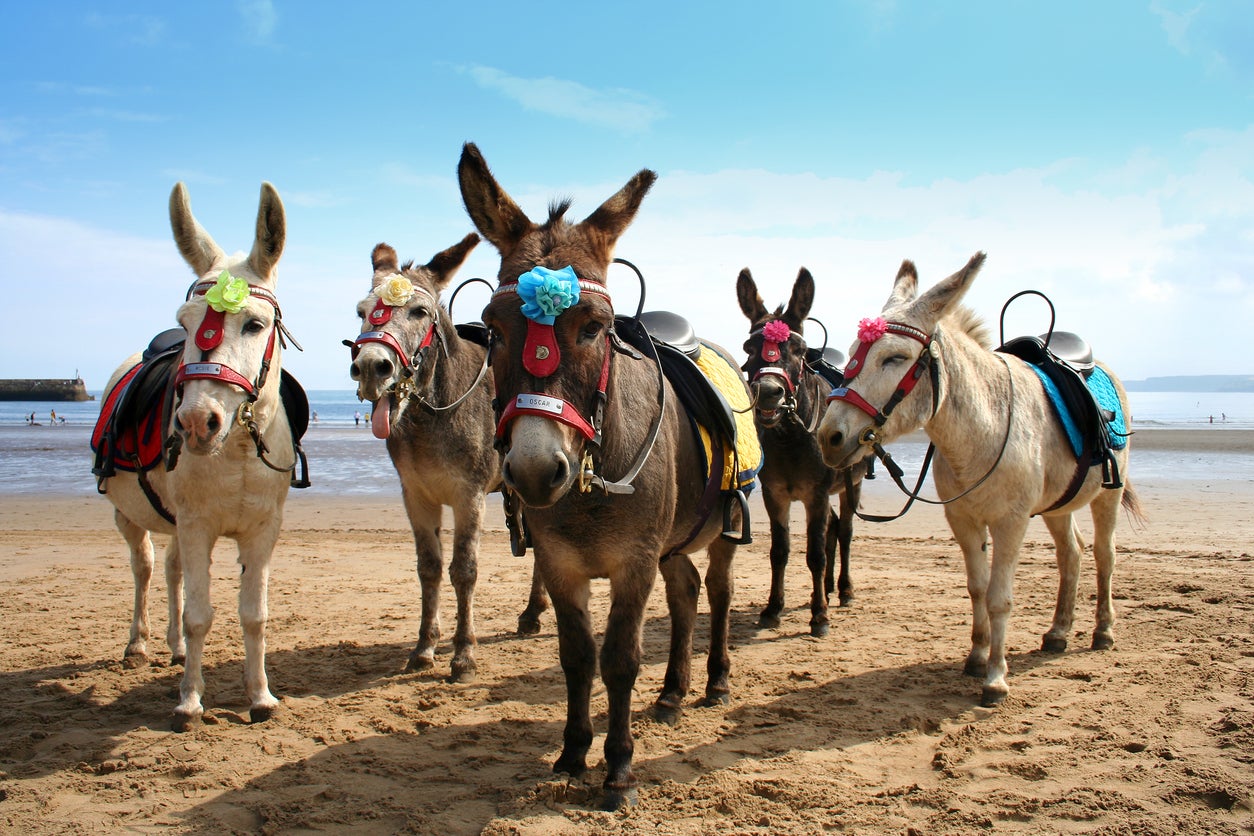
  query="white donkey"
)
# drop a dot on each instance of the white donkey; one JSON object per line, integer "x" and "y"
{"x": 233, "y": 478}
{"x": 1002, "y": 456}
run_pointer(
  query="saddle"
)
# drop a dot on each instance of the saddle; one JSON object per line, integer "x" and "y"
{"x": 129, "y": 434}
{"x": 1064, "y": 362}
{"x": 828, "y": 363}
{"x": 693, "y": 367}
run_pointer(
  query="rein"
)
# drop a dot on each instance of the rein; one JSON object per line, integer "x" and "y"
{"x": 929, "y": 362}
{"x": 208, "y": 336}
{"x": 541, "y": 359}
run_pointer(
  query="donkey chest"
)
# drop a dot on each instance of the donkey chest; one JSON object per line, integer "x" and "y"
{"x": 793, "y": 466}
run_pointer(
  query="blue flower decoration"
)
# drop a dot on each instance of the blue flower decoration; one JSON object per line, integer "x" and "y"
{"x": 546, "y": 293}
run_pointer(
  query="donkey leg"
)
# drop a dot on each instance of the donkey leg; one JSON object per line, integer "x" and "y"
{"x": 464, "y": 574}
{"x": 719, "y": 585}
{"x": 425, "y": 521}
{"x": 174, "y": 592}
{"x": 578, "y": 653}
{"x": 140, "y": 544}
{"x": 973, "y": 540}
{"x": 777, "y": 511}
{"x": 620, "y": 665}
{"x": 254, "y": 613}
{"x": 196, "y": 554}
{"x": 818, "y": 513}
{"x": 1007, "y": 542}
{"x": 849, "y": 500}
{"x": 537, "y": 603}
{"x": 683, "y": 588}
{"x": 1105, "y": 510}
{"x": 1067, "y": 553}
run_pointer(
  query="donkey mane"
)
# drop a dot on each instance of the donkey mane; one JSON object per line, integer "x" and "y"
{"x": 966, "y": 321}
{"x": 556, "y": 210}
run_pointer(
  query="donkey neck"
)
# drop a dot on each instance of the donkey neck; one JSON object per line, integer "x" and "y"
{"x": 975, "y": 397}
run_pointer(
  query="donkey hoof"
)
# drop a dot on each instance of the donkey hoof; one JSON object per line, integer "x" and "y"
{"x": 667, "y": 713}
{"x": 993, "y": 697}
{"x": 768, "y": 620}
{"x": 260, "y": 714}
{"x": 181, "y": 722}
{"x": 975, "y": 668}
{"x": 463, "y": 675}
{"x": 419, "y": 662}
{"x": 133, "y": 661}
{"x": 178, "y": 660}
{"x": 528, "y": 625}
{"x": 846, "y": 598}
{"x": 715, "y": 699}
{"x": 1052, "y": 644}
{"x": 616, "y": 800}
{"x": 1103, "y": 641}
{"x": 819, "y": 629}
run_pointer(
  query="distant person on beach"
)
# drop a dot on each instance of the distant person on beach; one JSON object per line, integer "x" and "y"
{"x": 357, "y": 418}
{"x": 1212, "y": 419}
{"x": 315, "y": 417}
{"x": 52, "y": 414}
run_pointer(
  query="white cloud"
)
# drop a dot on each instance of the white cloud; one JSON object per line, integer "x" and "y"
{"x": 616, "y": 108}
{"x": 259, "y": 19}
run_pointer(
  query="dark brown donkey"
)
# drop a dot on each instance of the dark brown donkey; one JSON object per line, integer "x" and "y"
{"x": 432, "y": 400}
{"x": 789, "y": 401}
{"x": 578, "y": 409}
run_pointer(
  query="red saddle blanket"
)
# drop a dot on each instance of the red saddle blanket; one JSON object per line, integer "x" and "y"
{"x": 128, "y": 434}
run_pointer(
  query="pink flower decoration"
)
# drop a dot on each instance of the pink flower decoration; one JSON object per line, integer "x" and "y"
{"x": 870, "y": 330}
{"x": 776, "y": 331}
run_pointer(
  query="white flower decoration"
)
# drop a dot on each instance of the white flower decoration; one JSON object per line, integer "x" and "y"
{"x": 396, "y": 290}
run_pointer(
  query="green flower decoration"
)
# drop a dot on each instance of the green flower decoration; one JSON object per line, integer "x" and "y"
{"x": 229, "y": 294}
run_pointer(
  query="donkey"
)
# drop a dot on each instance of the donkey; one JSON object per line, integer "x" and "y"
{"x": 575, "y": 403}
{"x": 227, "y": 414}
{"x": 1002, "y": 456}
{"x": 788, "y": 398}
{"x": 432, "y": 402}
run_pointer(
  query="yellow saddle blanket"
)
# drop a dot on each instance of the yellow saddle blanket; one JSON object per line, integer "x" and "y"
{"x": 742, "y": 462}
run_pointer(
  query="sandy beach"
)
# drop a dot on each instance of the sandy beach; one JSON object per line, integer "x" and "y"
{"x": 871, "y": 730}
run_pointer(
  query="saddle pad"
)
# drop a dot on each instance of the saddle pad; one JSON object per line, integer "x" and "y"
{"x": 1103, "y": 391}
{"x": 136, "y": 441}
{"x": 724, "y": 375}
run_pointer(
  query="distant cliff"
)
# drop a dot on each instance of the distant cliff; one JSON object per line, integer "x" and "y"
{"x": 39, "y": 389}
{"x": 1193, "y": 383}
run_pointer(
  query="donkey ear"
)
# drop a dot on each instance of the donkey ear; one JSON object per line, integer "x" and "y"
{"x": 905, "y": 286}
{"x": 197, "y": 246}
{"x": 613, "y": 216}
{"x": 802, "y": 300}
{"x": 271, "y": 233}
{"x": 937, "y": 301}
{"x": 493, "y": 212}
{"x": 444, "y": 264}
{"x": 383, "y": 261}
{"x": 751, "y": 304}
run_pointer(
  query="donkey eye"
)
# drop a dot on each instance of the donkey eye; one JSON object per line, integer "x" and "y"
{"x": 418, "y": 312}
{"x": 254, "y": 326}
{"x": 894, "y": 359}
{"x": 592, "y": 330}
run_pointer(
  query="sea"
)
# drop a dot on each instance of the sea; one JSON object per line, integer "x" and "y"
{"x": 53, "y": 455}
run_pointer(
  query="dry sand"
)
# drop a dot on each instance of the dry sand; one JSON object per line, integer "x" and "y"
{"x": 871, "y": 730}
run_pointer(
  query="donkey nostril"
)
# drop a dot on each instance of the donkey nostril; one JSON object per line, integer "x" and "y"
{"x": 561, "y": 471}
{"x": 835, "y": 439}
{"x": 214, "y": 423}
{"x": 383, "y": 368}
{"x": 354, "y": 372}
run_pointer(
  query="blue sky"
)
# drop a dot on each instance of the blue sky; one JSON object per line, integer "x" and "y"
{"x": 1100, "y": 152}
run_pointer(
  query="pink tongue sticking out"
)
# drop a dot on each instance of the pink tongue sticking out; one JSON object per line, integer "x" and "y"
{"x": 381, "y": 417}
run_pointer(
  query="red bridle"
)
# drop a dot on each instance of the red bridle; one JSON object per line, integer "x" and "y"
{"x": 209, "y": 336}
{"x": 541, "y": 359}
{"x": 381, "y": 315}
{"x": 908, "y": 381}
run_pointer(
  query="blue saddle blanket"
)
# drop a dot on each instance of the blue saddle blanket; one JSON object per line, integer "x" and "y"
{"x": 1103, "y": 390}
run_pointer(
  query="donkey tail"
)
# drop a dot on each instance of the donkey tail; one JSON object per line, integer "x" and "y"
{"x": 1131, "y": 503}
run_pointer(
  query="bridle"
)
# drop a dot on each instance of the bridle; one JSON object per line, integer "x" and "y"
{"x": 208, "y": 336}
{"x": 406, "y": 384}
{"x": 771, "y": 354}
{"x": 928, "y": 362}
{"x": 541, "y": 359}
